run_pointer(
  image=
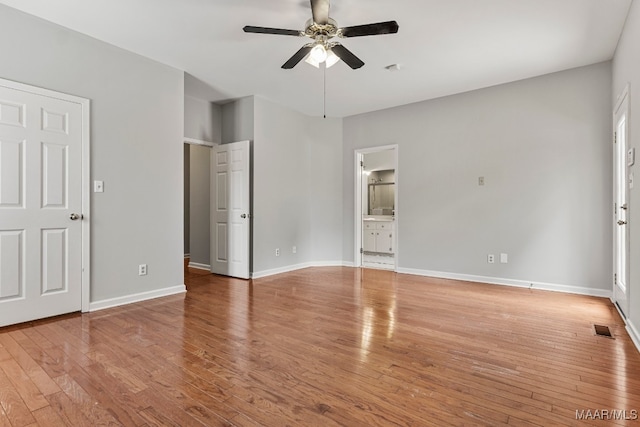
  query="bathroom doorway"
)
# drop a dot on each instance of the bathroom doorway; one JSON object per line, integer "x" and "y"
{"x": 376, "y": 212}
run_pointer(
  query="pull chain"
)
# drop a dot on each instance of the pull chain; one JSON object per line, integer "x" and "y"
{"x": 324, "y": 94}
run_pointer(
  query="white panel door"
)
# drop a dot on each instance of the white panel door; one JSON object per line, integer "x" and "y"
{"x": 230, "y": 209}
{"x": 621, "y": 194}
{"x": 40, "y": 188}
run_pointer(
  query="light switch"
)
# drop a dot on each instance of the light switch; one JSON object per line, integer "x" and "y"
{"x": 98, "y": 186}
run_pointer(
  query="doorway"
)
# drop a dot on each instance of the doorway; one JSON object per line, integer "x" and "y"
{"x": 622, "y": 159}
{"x": 217, "y": 207}
{"x": 376, "y": 207}
{"x": 197, "y": 190}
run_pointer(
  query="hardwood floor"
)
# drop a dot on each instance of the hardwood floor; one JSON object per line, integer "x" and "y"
{"x": 324, "y": 347}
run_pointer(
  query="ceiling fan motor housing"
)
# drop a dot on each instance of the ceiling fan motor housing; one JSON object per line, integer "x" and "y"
{"x": 328, "y": 30}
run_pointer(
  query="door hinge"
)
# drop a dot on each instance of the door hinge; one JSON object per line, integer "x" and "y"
{"x": 361, "y": 250}
{"x": 615, "y": 137}
{"x": 615, "y": 209}
{"x": 361, "y": 163}
{"x": 615, "y": 278}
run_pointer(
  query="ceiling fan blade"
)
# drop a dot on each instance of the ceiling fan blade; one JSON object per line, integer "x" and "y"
{"x": 320, "y": 11}
{"x": 266, "y": 30}
{"x": 389, "y": 27}
{"x": 349, "y": 58}
{"x": 297, "y": 57}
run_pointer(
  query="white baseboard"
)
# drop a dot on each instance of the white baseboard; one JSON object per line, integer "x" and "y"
{"x": 187, "y": 255}
{"x": 199, "y": 266}
{"x": 130, "y": 299}
{"x": 510, "y": 282}
{"x": 289, "y": 268}
{"x": 571, "y": 289}
{"x": 633, "y": 333}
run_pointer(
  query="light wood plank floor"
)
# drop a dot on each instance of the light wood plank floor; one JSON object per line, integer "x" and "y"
{"x": 324, "y": 347}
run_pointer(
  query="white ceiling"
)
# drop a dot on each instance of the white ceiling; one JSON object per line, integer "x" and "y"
{"x": 443, "y": 46}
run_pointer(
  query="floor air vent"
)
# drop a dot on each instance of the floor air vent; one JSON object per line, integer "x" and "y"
{"x": 603, "y": 331}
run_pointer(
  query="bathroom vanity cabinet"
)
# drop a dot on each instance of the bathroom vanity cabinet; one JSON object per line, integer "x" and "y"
{"x": 378, "y": 236}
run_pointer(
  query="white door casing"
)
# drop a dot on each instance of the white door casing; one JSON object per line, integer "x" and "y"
{"x": 44, "y": 141}
{"x": 621, "y": 205}
{"x": 230, "y": 209}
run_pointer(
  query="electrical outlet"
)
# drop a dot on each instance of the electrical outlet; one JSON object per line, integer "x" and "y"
{"x": 481, "y": 180}
{"x": 277, "y": 251}
{"x": 294, "y": 249}
{"x": 142, "y": 270}
{"x": 504, "y": 258}
{"x": 491, "y": 258}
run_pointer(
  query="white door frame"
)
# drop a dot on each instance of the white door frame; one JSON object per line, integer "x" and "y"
{"x": 86, "y": 176}
{"x": 622, "y": 106}
{"x": 359, "y": 156}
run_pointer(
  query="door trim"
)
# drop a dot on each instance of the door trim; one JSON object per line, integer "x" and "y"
{"x": 357, "y": 232}
{"x": 85, "y": 104}
{"x": 193, "y": 141}
{"x": 622, "y": 101}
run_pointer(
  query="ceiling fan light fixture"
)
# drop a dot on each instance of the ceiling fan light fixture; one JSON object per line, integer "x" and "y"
{"x": 318, "y": 53}
{"x": 309, "y": 60}
{"x": 332, "y": 58}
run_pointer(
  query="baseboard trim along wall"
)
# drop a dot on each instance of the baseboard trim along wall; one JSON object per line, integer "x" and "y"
{"x": 199, "y": 266}
{"x": 454, "y": 276}
{"x": 633, "y": 333}
{"x": 510, "y": 282}
{"x": 289, "y": 268}
{"x": 130, "y": 299}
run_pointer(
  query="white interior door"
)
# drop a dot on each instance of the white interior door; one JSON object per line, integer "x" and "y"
{"x": 621, "y": 191}
{"x": 230, "y": 209}
{"x": 41, "y": 184}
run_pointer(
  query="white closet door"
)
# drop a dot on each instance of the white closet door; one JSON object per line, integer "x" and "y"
{"x": 40, "y": 193}
{"x": 230, "y": 210}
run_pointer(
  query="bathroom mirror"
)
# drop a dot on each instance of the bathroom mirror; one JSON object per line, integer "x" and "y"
{"x": 381, "y": 192}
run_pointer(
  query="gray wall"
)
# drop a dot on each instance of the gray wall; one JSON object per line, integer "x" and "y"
{"x": 543, "y": 147}
{"x": 199, "y": 204}
{"x": 202, "y": 120}
{"x": 297, "y": 184}
{"x": 238, "y": 120}
{"x": 626, "y": 69}
{"x": 324, "y": 193}
{"x": 379, "y": 160}
{"x": 136, "y": 147}
{"x": 281, "y": 187}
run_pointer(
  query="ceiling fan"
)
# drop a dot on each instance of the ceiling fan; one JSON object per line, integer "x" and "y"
{"x": 321, "y": 29}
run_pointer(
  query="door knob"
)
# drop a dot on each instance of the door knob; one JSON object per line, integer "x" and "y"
{"x": 624, "y": 207}
{"x": 243, "y": 216}
{"x": 75, "y": 216}
{"x": 621, "y": 222}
